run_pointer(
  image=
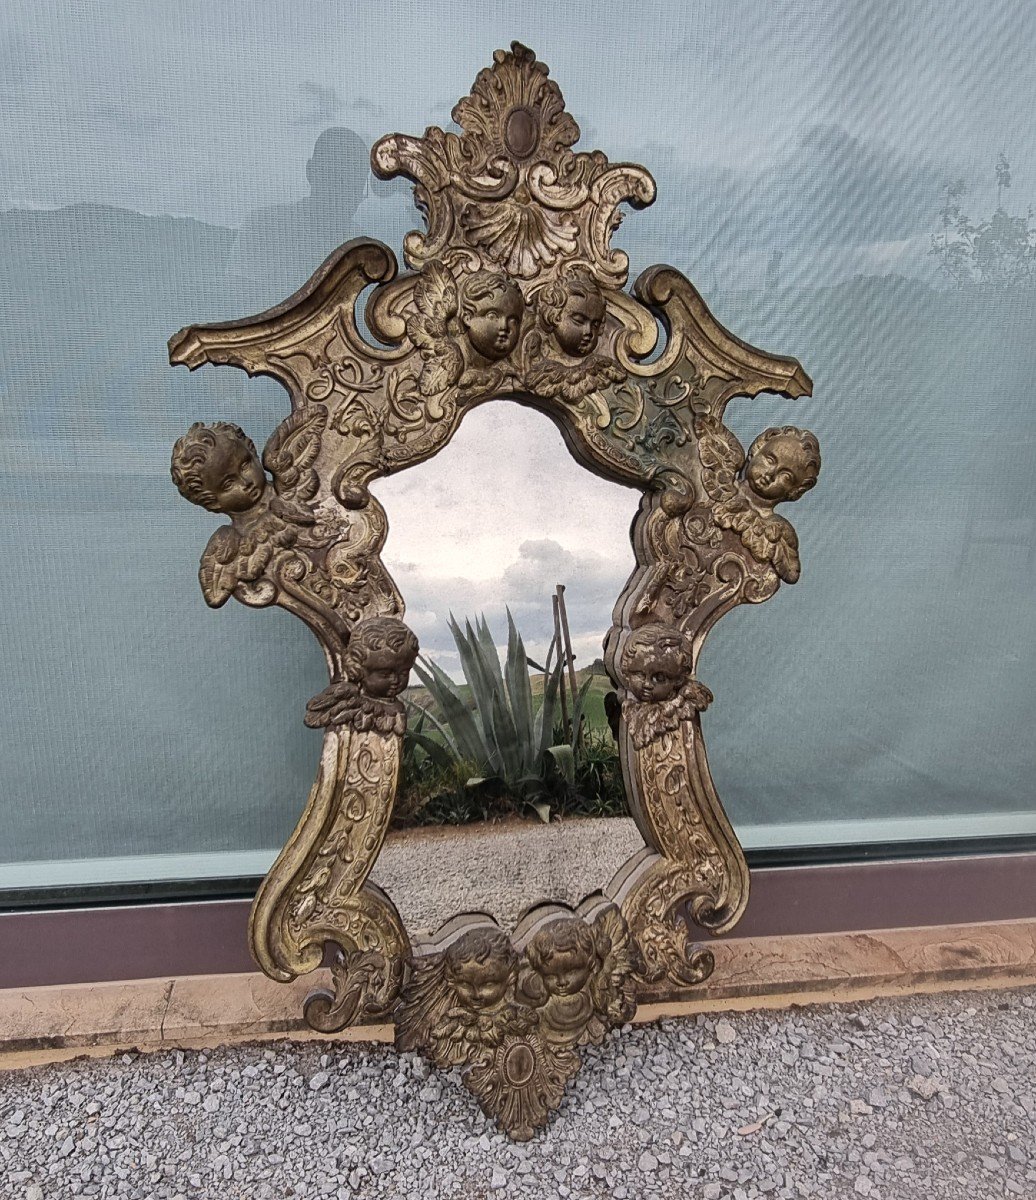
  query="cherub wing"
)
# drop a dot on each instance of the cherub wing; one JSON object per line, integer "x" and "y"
{"x": 219, "y": 571}
{"x": 571, "y": 384}
{"x": 429, "y": 999}
{"x": 612, "y": 989}
{"x": 294, "y": 513}
{"x": 785, "y": 542}
{"x": 442, "y": 368}
{"x": 435, "y": 294}
{"x": 435, "y": 298}
{"x": 292, "y": 450}
{"x": 766, "y": 536}
{"x": 722, "y": 457}
{"x": 334, "y": 705}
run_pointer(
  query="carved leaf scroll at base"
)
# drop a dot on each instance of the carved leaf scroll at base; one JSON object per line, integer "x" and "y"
{"x": 513, "y": 290}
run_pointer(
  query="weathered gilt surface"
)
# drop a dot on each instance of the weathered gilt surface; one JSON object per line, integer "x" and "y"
{"x": 514, "y": 290}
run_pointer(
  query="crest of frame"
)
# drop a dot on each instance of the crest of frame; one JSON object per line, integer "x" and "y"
{"x": 509, "y": 191}
{"x": 513, "y": 290}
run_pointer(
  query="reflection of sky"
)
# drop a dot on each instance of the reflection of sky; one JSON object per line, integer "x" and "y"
{"x": 498, "y": 518}
{"x": 157, "y": 168}
{"x": 210, "y": 111}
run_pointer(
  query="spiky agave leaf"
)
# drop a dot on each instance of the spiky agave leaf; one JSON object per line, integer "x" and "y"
{"x": 506, "y": 731}
{"x": 519, "y": 687}
{"x": 459, "y": 718}
{"x": 577, "y": 709}
{"x": 505, "y": 737}
{"x": 478, "y": 674}
{"x": 545, "y": 717}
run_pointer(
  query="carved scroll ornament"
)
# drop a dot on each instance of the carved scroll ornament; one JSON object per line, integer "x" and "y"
{"x": 513, "y": 291}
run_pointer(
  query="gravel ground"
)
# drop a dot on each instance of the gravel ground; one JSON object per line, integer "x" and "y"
{"x": 928, "y": 1097}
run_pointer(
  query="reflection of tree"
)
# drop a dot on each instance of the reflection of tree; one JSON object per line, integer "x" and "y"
{"x": 996, "y": 253}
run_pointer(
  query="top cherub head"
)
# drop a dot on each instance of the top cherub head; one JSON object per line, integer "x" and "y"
{"x": 783, "y": 464}
{"x": 490, "y": 308}
{"x": 573, "y": 308}
{"x": 217, "y": 467}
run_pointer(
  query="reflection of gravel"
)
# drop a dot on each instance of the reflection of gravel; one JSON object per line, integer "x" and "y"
{"x": 926, "y": 1098}
{"x": 434, "y": 872}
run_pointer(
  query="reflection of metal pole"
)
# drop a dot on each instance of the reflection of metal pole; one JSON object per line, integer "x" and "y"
{"x": 563, "y": 612}
{"x": 565, "y": 723}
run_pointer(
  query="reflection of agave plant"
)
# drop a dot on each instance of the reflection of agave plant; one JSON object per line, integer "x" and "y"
{"x": 507, "y": 739}
{"x": 522, "y": 238}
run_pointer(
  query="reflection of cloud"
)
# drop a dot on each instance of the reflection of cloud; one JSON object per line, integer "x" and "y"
{"x": 546, "y": 562}
{"x": 526, "y": 587}
{"x": 833, "y": 187}
{"x": 823, "y": 201}
{"x": 364, "y": 107}
{"x": 496, "y": 520}
{"x": 323, "y": 103}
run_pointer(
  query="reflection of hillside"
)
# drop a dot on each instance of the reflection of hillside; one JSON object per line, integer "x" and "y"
{"x": 93, "y": 294}
{"x": 896, "y": 682}
{"x": 891, "y": 680}
{"x": 922, "y": 396}
{"x": 91, "y": 262}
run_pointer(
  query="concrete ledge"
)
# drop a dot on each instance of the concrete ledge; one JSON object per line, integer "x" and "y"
{"x": 435, "y": 873}
{"x": 45, "y": 1024}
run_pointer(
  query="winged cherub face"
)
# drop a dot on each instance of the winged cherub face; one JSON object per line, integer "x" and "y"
{"x": 492, "y": 317}
{"x": 217, "y": 467}
{"x": 385, "y": 673}
{"x": 565, "y": 957}
{"x": 579, "y": 325}
{"x": 654, "y": 678}
{"x": 481, "y": 970}
{"x": 235, "y": 476}
{"x": 567, "y": 972}
{"x": 379, "y": 656}
{"x": 781, "y": 466}
{"x": 656, "y": 663}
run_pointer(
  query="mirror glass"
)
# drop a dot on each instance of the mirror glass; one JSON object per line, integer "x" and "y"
{"x": 490, "y": 526}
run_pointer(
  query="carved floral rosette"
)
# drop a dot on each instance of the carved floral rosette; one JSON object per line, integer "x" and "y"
{"x": 513, "y": 290}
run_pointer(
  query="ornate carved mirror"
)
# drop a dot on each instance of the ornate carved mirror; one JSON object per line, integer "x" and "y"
{"x": 513, "y": 291}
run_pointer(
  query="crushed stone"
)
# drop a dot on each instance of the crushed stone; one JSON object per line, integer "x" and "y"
{"x": 907, "y": 1099}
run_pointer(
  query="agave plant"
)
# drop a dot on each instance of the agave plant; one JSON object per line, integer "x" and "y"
{"x": 504, "y": 735}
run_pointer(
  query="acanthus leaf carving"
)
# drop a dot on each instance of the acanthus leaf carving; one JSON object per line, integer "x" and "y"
{"x": 509, "y": 187}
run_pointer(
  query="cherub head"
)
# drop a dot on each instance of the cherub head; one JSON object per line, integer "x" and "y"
{"x": 490, "y": 308}
{"x": 564, "y": 955}
{"x": 656, "y": 662}
{"x": 217, "y": 467}
{"x": 572, "y": 308}
{"x": 783, "y": 463}
{"x": 379, "y": 656}
{"x": 481, "y": 965}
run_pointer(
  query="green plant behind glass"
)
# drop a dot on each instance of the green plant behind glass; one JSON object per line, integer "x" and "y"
{"x": 505, "y": 737}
